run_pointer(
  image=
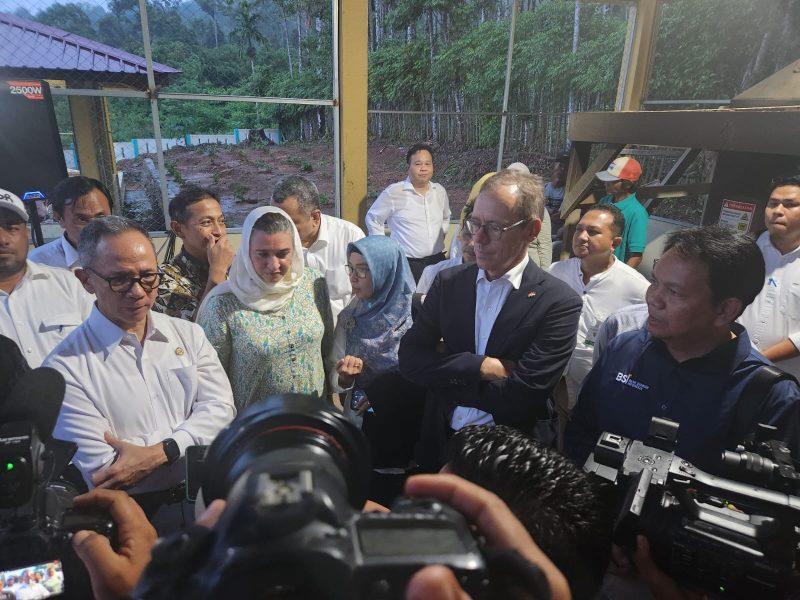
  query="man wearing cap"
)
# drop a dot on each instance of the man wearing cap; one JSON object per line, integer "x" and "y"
{"x": 75, "y": 201}
{"x": 620, "y": 180}
{"x": 39, "y": 305}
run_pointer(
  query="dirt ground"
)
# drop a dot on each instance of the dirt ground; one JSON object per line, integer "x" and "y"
{"x": 244, "y": 175}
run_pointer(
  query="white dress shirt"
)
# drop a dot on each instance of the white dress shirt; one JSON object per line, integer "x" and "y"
{"x": 58, "y": 253}
{"x": 328, "y": 255}
{"x": 430, "y": 272}
{"x": 418, "y": 222}
{"x": 490, "y": 296}
{"x": 43, "y": 308}
{"x": 775, "y": 313}
{"x": 606, "y": 292}
{"x": 173, "y": 386}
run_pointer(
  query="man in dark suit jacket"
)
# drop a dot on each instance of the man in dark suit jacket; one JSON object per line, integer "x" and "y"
{"x": 492, "y": 338}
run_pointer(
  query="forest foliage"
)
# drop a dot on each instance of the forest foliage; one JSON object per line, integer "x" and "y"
{"x": 427, "y": 55}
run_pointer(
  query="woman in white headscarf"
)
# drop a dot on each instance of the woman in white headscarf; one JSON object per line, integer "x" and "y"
{"x": 271, "y": 322}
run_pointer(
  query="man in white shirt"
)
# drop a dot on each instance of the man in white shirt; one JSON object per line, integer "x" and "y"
{"x": 39, "y": 305}
{"x": 324, "y": 238}
{"x": 492, "y": 339}
{"x": 605, "y": 285}
{"x": 417, "y": 211}
{"x": 141, "y": 386}
{"x": 773, "y": 319}
{"x": 75, "y": 201}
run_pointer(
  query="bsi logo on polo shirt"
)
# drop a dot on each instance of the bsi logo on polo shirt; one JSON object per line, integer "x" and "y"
{"x": 627, "y": 379}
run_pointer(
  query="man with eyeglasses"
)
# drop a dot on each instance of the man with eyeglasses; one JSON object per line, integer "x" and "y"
{"x": 492, "y": 338}
{"x": 205, "y": 257}
{"x": 75, "y": 201}
{"x": 39, "y": 305}
{"x": 141, "y": 386}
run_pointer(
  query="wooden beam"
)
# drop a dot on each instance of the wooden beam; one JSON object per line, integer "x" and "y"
{"x": 353, "y": 44}
{"x": 638, "y": 54}
{"x": 671, "y": 191}
{"x": 578, "y": 191}
{"x": 673, "y": 175}
{"x": 93, "y": 143}
{"x": 744, "y": 130}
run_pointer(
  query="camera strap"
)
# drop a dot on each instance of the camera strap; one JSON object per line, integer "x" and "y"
{"x": 750, "y": 400}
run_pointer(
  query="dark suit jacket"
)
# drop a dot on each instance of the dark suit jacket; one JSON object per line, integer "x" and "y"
{"x": 536, "y": 328}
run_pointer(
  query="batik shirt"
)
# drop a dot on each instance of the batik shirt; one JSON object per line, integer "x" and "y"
{"x": 181, "y": 287}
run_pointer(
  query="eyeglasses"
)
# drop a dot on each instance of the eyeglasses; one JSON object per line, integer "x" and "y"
{"x": 361, "y": 271}
{"x": 123, "y": 284}
{"x": 493, "y": 231}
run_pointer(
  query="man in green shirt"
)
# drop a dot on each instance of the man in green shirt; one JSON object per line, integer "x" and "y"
{"x": 620, "y": 179}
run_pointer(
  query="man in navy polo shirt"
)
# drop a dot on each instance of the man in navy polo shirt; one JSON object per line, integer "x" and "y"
{"x": 691, "y": 362}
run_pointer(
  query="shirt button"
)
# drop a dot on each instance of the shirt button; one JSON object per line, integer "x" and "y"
{"x": 29, "y": 350}
{"x": 663, "y": 407}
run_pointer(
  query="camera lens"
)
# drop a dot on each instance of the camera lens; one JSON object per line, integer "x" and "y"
{"x": 307, "y": 425}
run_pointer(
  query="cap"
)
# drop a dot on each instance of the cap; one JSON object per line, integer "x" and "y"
{"x": 623, "y": 167}
{"x": 519, "y": 167}
{"x": 13, "y": 203}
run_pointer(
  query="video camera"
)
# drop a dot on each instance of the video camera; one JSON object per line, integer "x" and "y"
{"x": 36, "y": 516}
{"x": 294, "y": 472}
{"x": 733, "y": 538}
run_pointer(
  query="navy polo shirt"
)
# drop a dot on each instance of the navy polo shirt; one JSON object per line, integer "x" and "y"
{"x": 636, "y": 379}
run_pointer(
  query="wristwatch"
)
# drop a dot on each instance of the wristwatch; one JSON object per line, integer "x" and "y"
{"x": 171, "y": 450}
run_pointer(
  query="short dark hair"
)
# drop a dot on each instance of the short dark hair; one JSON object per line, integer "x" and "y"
{"x": 301, "y": 188}
{"x": 188, "y": 195}
{"x": 97, "y": 229}
{"x": 416, "y": 148}
{"x": 786, "y": 179}
{"x": 273, "y": 222}
{"x": 735, "y": 263}
{"x": 560, "y": 505}
{"x": 68, "y": 190}
{"x": 618, "y": 224}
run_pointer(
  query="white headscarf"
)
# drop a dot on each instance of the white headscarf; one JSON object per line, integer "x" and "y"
{"x": 247, "y": 285}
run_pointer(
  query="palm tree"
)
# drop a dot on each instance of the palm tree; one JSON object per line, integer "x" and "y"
{"x": 247, "y": 31}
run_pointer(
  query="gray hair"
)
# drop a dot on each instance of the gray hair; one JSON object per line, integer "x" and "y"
{"x": 301, "y": 188}
{"x": 529, "y": 191}
{"x": 102, "y": 227}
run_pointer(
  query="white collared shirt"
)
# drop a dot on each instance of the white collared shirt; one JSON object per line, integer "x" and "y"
{"x": 43, "y": 308}
{"x": 58, "y": 253}
{"x": 775, "y": 313}
{"x": 418, "y": 222}
{"x": 616, "y": 287}
{"x": 490, "y": 296}
{"x": 430, "y": 272}
{"x": 328, "y": 255}
{"x": 173, "y": 386}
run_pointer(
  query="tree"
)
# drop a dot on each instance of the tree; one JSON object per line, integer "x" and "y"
{"x": 247, "y": 31}
{"x": 70, "y": 17}
{"x": 212, "y": 8}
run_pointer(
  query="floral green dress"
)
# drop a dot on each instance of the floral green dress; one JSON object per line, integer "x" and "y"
{"x": 266, "y": 353}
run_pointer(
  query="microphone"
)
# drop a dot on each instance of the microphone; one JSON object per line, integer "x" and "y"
{"x": 37, "y": 398}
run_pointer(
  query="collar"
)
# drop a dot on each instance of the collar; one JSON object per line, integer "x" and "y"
{"x": 513, "y": 275}
{"x": 190, "y": 264}
{"x": 625, "y": 200}
{"x": 766, "y": 244}
{"x": 597, "y": 276}
{"x": 109, "y": 335}
{"x": 35, "y": 271}
{"x": 70, "y": 253}
{"x": 322, "y": 234}
{"x": 408, "y": 186}
{"x": 722, "y": 360}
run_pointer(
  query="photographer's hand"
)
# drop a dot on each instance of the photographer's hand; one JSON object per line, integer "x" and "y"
{"x": 661, "y": 585}
{"x": 493, "y": 520}
{"x": 133, "y": 464}
{"x": 115, "y": 574}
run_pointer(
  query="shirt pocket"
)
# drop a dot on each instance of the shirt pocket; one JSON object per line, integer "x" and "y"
{"x": 792, "y": 307}
{"x": 60, "y": 325}
{"x": 183, "y": 388}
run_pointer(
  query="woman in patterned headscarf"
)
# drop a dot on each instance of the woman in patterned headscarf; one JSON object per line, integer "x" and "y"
{"x": 271, "y": 322}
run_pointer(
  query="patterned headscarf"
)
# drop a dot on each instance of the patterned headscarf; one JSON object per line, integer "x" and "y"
{"x": 375, "y": 325}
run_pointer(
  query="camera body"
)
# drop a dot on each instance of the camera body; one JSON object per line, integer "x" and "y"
{"x": 37, "y": 520}
{"x": 294, "y": 473}
{"x": 734, "y": 538}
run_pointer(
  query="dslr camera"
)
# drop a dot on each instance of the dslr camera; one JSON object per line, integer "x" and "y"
{"x": 36, "y": 516}
{"x": 732, "y": 538}
{"x": 295, "y": 475}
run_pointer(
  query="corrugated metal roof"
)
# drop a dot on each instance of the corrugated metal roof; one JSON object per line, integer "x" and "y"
{"x": 31, "y": 45}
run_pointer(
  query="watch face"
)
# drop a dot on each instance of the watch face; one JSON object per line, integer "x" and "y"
{"x": 171, "y": 450}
